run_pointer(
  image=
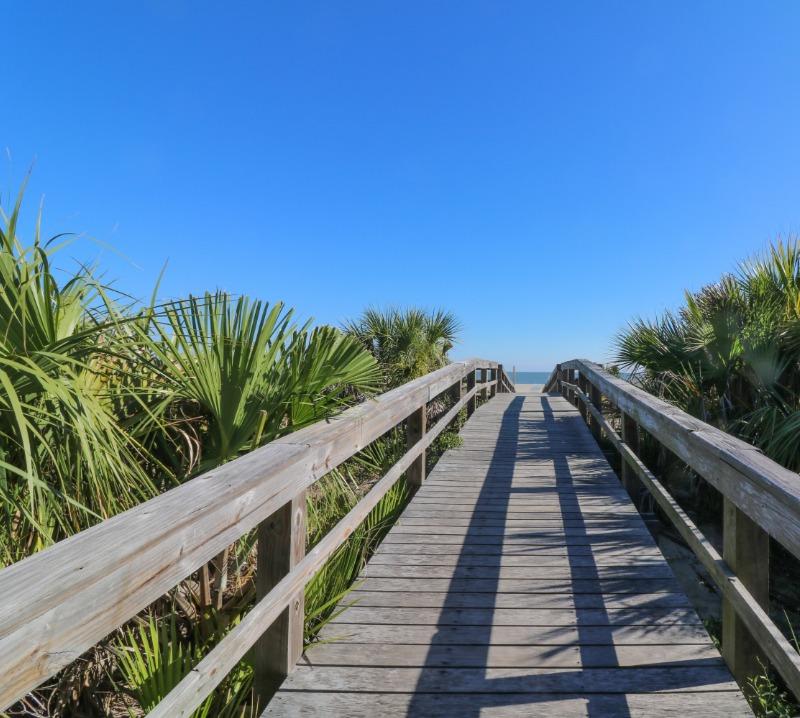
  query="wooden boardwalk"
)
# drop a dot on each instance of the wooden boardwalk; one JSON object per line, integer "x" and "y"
{"x": 520, "y": 581}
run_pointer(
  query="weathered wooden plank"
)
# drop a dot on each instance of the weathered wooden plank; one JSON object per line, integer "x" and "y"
{"x": 748, "y": 608}
{"x": 746, "y": 551}
{"x": 563, "y": 561}
{"x": 516, "y": 635}
{"x": 499, "y": 656}
{"x": 518, "y": 616}
{"x": 281, "y": 546}
{"x": 438, "y": 705}
{"x": 79, "y": 590}
{"x": 369, "y": 594}
{"x": 519, "y": 569}
{"x": 761, "y": 488}
{"x": 653, "y": 679}
{"x": 578, "y": 573}
{"x": 416, "y": 426}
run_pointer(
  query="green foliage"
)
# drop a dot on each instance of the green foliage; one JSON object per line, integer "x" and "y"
{"x": 102, "y": 407}
{"x": 104, "y": 404}
{"x": 731, "y": 355}
{"x": 154, "y": 657}
{"x": 767, "y": 700}
{"x": 333, "y": 582}
{"x": 407, "y": 343}
{"x": 65, "y": 461}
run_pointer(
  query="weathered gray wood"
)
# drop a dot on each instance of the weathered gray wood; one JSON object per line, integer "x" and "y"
{"x": 597, "y": 399}
{"x": 439, "y": 705}
{"x": 746, "y": 551}
{"x": 518, "y": 569}
{"x": 79, "y": 590}
{"x": 584, "y": 386}
{"x": 368, "y": 593}
{"x": 767, "y": 492}
{"x": 416, "y": 426}
{"x": 570, "y": 377}
{"x": 517, "y": 616}
{"x": 709, "y": 679}
{"x": 630, "y": 435}
{"x": 499, "y": 656}
{"x": 207, "y": 674}
{"x": 472, "y": 404}
{"x": 281, "y": 546}
{"x": 663, "y": 638}
{"x": 755, "y": 619}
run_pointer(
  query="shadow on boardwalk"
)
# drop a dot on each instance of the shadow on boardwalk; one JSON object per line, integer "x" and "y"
{"x": 487, "y": 687}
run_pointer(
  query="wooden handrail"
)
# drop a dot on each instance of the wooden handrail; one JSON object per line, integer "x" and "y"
{"x": 59, "y": 602}
{"x": 761, "y": 499}
{"x": 766, "y": 491}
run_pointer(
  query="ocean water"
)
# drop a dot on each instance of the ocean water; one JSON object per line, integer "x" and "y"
{"x": 530, "y": 377}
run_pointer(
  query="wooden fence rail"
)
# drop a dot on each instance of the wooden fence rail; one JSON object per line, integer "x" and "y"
{"x": 761, "y": 499}
{"x": 58, "y": 603}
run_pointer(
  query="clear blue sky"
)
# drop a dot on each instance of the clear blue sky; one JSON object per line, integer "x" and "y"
{"x": 545, "y": 170}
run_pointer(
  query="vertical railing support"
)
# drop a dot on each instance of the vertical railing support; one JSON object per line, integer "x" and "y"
{"x": 571, "y": 380}
{"x": 416, "y": 426}
{"x": 484, "y": 392}
{"x": 471, "y": 403}
{"x": 500, "y": 379}
{"x": 493, "y": 376}
{"x": 597, "y": 400}
{"x": 281, "y": 545}
{"x": 559, "y": 377}
{"x": 630, "y": 435}
{"x": 455, "y": 392}
{"x": 584, "y": 387}
{"x": 745, "y": 548}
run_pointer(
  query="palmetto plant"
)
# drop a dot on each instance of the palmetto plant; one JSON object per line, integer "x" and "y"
{"x": 248, "y": 373}
{"x": 102, "y": 407}
{"x": 732, "y": 354}
{"x": 65, "y": 461}
{"x": 407, "y": 343}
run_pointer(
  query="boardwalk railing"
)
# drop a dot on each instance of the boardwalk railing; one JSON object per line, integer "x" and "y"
{"x": 761, "y": 499}
{"x": 58, "y": 603}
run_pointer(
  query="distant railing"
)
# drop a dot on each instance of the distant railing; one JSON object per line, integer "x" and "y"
{"x": 761, "y": 499}
{"x": 58, "y": 603}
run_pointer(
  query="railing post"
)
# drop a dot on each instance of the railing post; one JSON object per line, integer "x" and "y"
{"x": 500, "y": 378}
{"x": 630, "y": 436}
{"x": 597, "y": 400}
{"x": 281, "y": 545}
{"x": 584, "y": 387}
{"x": 558, "y": 378}
{"x": 416, "y": 426}
{"x": 571, "y": 380}
{"x": 493, "y": 376}
{"x": 472, "y": 400}
{"x": 484, "y": 393}
{"x": 745, "y": 548}
{"x": 455, "y": 392}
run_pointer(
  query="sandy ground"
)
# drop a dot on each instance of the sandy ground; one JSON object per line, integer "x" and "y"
{"x": 528, "y": 388}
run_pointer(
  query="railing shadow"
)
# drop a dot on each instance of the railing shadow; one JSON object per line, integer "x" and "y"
{"x": 583, "y": 538}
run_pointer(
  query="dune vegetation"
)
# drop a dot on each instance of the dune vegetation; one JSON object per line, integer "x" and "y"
{"x": 106, "y": 402}
{"x": 731, "y": 357}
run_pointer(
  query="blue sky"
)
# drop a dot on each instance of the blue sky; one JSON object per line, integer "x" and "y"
{"x": 545, "y": 170}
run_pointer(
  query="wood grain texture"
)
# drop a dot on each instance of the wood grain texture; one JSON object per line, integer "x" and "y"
{"x": 520, "y": 580}
{"x": 58, "y": 603}
{"x": 765, "y": 491}
{"x": 738, "y": 600}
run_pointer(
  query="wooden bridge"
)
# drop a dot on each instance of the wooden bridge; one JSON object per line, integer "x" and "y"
{"x": 520, "y": 580}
